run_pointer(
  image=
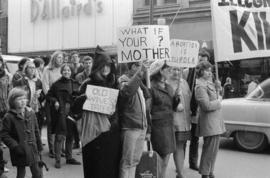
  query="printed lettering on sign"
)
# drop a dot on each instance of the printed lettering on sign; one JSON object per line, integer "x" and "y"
{"x": 241, "y": 29}
{"x": 100, "y": 99}
{"x": 138, "y": 43}
{"x": 184, "y": 53}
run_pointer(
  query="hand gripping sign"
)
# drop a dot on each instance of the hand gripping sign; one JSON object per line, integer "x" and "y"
{"x": 100, "y": 99}
{"x": 143, "y": 42}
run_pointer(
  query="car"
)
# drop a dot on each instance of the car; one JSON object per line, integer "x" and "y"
{"x": 11, "y": 62}
{"x": 247, "y": 119}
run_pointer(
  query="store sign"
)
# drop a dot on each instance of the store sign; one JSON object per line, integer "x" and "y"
{"x": 241, "y": 29}
{"x": 53, "y": 9}
{"x": 184, "y": 53}
{"x": 138, "y": 43}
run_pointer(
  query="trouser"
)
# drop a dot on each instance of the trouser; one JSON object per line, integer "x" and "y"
{"x": 40, "y": 118}
{"x": 76, "y": 133}
{"x": 59, "y": 140}
{"x": 132, "y": 149}
{"x": 194, "y": 146}
{"x": 35, "y": 170}
{"x": 50, "y": 136}
{"x": 209, "y": 154}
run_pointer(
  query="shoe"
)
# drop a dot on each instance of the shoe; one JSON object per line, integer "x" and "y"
{"x": 205, "y": 176}
{"x": 73, "y": 161}
{"x": 51, "y": 155}
{"x": 211, "y": 175}
{"x": 57, "y": 165}
{"x": 194, "y": 167}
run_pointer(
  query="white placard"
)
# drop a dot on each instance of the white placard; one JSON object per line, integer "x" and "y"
{"x": 240, "y": 29}
{"x": 184, "y": 53}
{"x": 138, "y": 43}
{"x": 100, "y": 99}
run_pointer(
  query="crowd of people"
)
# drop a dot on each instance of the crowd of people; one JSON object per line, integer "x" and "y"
{"x": 178, "y": 105}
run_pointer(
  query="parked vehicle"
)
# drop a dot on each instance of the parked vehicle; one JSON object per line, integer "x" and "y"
{"x": 11, "y": 62}
{"x": 248, "y": 119}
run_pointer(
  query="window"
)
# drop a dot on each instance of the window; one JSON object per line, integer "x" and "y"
{"x": 147, "y": 2}
{"x": 170, "y": 1}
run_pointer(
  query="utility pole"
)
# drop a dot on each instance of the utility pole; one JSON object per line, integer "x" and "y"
{"x": 151, "y": 4}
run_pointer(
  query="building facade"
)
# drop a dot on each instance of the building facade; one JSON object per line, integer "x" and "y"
{"x": 191, "y": 20}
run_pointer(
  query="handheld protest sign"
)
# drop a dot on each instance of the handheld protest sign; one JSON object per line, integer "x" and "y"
{"x": 143, "y": 42}
{"x": 100, "y": 99}
{"x": 184, "y": 53}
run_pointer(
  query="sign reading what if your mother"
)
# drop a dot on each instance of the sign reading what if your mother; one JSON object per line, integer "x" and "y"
{"x": 138, "y": 43}
{"x": 100, "y": 99}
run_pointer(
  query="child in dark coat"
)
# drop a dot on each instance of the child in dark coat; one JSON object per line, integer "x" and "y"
{"x": 21, "y": 134}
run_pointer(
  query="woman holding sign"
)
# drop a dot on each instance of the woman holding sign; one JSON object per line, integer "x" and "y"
{"x": 210, "y": 125}
{"x": 162, "y": 104}
{"x": 100, "y": 134}
{"x": 60, "y": 95}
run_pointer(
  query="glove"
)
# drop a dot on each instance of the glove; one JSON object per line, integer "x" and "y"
{"x": 19, "y": 150}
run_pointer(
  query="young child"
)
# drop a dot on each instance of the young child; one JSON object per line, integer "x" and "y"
{"x": 21, "y": 134}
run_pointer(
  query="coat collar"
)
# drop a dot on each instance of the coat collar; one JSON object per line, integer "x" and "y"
{"x": 19, "y": 116}
{"x": 164, "y": 90}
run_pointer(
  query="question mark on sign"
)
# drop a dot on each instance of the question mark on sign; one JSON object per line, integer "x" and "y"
{"x": 160, "y": 39}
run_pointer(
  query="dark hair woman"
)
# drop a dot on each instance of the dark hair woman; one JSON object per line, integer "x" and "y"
{"x": 210, "y": 124}
{"x": 60, "y": 95}
{"x": 100, "y": 132}
{"x": 162, "y": 105}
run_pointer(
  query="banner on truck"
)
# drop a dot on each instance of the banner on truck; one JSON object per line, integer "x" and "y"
{"x": 184, "y": 53}
{"x": 139, "y": 43}
{"x": 100, "y": 99}
{"x": 240, "y": 29}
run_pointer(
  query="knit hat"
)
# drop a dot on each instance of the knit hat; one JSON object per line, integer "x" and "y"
{"x": 101, "y": 58}
{"x": 156, "y": 66}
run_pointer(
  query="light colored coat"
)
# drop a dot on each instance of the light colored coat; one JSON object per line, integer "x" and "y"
{"x": 182, "y": 118}
{"x": 210, "y": 119}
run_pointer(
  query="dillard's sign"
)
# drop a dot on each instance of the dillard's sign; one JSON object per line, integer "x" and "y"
{"x": 53, "y": 9}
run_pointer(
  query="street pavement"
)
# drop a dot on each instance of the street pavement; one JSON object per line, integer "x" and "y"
{"x": 231, "y": 163}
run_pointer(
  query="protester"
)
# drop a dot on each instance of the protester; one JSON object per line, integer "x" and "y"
{"x": 100, "y": 135}
{"x": 60, "y": 95}
{"x": 162, "y": 131}
{"x": 182, "y": 120}
{"x": 133, "y": 118}
{"x": 39, "y": 63}
{"x": 210, "y": 124}
{"x": 5, "y": 86}
{"x": 50, "y": 75}
{"x": 204, "y": 55}
{"x": 77, "y": 66}
{"x": 19, "y": 73}
{"x": 87, "y": 64}
{"x": 228, "y": 90}
{"x": 20, "y": 133}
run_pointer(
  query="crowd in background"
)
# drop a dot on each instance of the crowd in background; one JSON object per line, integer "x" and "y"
{"x": 177, "y": 105}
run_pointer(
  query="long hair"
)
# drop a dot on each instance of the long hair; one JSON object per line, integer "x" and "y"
{"x": 52, "y": 63}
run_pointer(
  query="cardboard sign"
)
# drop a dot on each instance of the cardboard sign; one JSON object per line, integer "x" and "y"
{"x": 100, "y": 99}
{"x": 240, "y": 29}
{"x": 184, "y": 53}
{"x": 139, "y": 43}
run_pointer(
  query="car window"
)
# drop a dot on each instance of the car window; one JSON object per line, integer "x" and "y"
{"x": 261, "y": 92}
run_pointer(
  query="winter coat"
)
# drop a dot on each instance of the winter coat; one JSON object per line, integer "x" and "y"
{"x": 162, "y": 129}
{"x": 210, "y": 119}
{"x": 62, "y": 91}
{"x": 5, "y": 86}
{"x": 22, "y": 133}
{"x": 131, "y": 113}
{"x": 182, "y": 115}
